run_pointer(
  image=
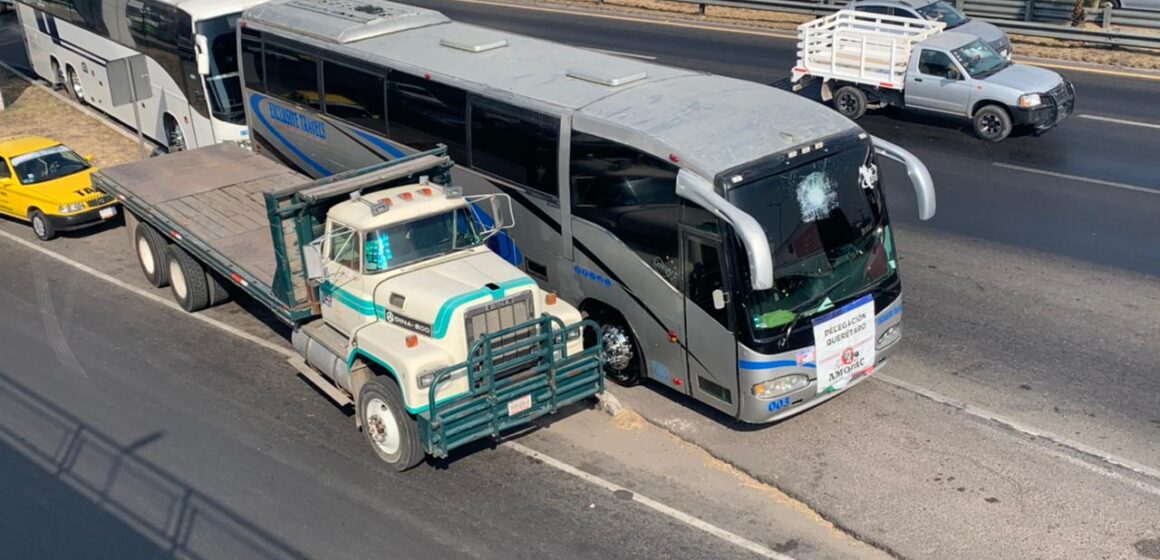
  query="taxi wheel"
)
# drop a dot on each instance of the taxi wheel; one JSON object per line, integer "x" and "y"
{"x": 388, "y": 428}
{"x": 186, "y": 279}
{"x": 41, "y": 226}
{"x": 150, "y": 249}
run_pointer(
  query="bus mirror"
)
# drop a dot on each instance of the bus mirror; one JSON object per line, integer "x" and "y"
{"x": 202, "y": 45}
{"x": 718, "y": 299}
{"x": 698, "y": 189}
{"x": 918, "y": 173}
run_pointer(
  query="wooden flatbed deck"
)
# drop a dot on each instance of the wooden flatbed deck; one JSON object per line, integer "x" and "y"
{"x": 217, "y": 195}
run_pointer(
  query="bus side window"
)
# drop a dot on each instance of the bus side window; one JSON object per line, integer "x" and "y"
{"x": 703, "y": 275}
{"x": 515, "y": 143}
{"x": 292, "y": 75}
{"x": 422, "y": 113}
{"x": 354, "y": 96}
{"x": 631, "y": 194}
{"x": 252, "y": 68}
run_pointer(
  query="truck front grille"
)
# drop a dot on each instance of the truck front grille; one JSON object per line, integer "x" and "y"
{"x": 497, "y": 316}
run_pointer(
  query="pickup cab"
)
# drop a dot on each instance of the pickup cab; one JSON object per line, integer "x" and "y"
{"x": 395, "y": 302}
{"x": 868, "y": 61}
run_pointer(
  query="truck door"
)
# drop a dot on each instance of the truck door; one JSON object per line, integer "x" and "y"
{"x": 345, "y": 305}
{"x": 709, "y": 340}
{"x": 936, "y": 83}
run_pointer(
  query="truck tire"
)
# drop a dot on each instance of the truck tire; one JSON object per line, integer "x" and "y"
{"x": 186, "y": 279}
{"x": 219, "y": 292}
{"x": 41, "y": 225}
{"x": 850, "y": 102}
{"x": 623, "y": 362}
{"x": 389, "y": 429}
{"x": 992, "y": 123}
{"x": 150, "y": 249}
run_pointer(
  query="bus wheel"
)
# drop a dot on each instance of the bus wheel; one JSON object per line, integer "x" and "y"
{"x": 622, "y": 356}
{"x": 57, "y": 75}
{"x": 174, "y": 137}
{"x": 75, "y": 89}
{"x": 186, "y": 279}
{"x": 391, "y": 431}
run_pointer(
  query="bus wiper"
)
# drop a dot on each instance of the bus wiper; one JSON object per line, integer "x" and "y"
{"x": 806, "y": 305}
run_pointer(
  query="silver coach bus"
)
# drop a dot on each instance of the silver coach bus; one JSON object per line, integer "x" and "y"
{"x": 731, "y": 238}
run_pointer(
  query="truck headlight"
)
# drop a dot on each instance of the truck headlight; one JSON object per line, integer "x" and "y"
{"x": 780, "y": 386}
{"x": 574, "y": 334}
{"x": 1029, "y": 100}
{"x": 70, "y": 208}
{"x": 427, "y": 376}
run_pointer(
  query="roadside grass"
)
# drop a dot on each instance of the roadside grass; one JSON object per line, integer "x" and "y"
{"x": 1073, "y": 51}
{"x": 30, "y": 110}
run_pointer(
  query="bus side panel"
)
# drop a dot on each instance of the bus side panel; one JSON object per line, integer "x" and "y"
{"x": 37, "y": 41}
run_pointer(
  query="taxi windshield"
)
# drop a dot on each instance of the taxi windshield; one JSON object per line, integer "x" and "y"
{"x": 398, "y": 245}
{"x": 47, "y": 164}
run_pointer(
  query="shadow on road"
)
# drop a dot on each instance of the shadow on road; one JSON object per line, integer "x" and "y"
{"x": 70, "y": 491}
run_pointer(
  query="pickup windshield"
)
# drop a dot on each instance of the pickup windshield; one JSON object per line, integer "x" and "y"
{"x": 48, "y": 164}
{"x": 946, "y": 13}
{"x": 401, "y": 244}
{"x": 826, "y": 226}
{"x": 979, "y": 59}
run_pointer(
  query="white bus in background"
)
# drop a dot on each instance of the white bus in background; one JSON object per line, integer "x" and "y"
{"x": 191, "y": 48}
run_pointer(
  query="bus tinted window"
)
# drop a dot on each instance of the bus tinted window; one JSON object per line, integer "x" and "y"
{"x": 292, "y": 75}
{"x": 423, "y": 113}
{"x": 354, "y": 96}
{"x": 252, "y": 68}
{"x": 631, "y": 194}
{"x": 516, "y": 144}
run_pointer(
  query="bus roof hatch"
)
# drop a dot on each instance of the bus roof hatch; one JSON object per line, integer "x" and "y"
{"x": 343, "y": 21}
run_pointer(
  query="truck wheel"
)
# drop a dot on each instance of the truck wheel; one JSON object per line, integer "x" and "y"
{"x": 622, "y": 356}
{"x": 41, "y": 226}
{"x": 219, "y": 292}
{"x": 150, "y": 248}
{"x": 850, "y": 102}
{"x": 992, "y": 123}
{"x": 186, "y": 279}
{"x": 389, "y": 429}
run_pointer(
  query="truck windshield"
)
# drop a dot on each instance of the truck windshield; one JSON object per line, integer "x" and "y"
{"x": 827, "y": 228}
{"x": 398, "y": 245}
{"x": 47, "y": 164}
{"x": 223, "y": 83}
{"x": 979, "y": 59}
{"x": 946, "y": 13}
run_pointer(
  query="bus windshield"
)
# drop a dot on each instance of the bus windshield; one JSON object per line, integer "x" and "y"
{"x": 398, "y": 245}
{"x": 223, "y": 82}
{"x": 826, "y": 226}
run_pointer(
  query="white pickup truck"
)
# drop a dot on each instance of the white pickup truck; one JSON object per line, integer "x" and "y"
{"x": 867, "y": 61}
{"x": 396, "y": 303}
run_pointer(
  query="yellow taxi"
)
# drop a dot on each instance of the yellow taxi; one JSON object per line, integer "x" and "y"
{"x": 46, "y": 183}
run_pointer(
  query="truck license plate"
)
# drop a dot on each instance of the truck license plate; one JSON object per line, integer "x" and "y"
{"x": 519, "y": 405}
{"x": 109, "y": 212}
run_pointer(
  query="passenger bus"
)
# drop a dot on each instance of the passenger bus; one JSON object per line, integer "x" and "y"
{"x": 190, "y": 45}
{"x": 732, "y": 239}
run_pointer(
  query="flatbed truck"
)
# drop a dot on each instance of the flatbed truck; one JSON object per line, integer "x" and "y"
{"x": 395, "y": 302}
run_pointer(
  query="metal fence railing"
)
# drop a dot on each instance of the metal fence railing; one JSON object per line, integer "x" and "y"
{"x": 1040, "y": 18}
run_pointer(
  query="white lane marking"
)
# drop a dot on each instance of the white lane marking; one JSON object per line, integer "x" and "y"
{"x": 619, "y": 53}
{"x": 1114, "y": 184}
{"x": 1119, "y": 121}
{"x": 650, "y": 503}
{"x": 1022, "y": 428}
{"x": 149, "y": 296}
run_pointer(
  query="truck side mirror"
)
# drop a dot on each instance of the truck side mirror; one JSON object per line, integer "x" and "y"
{"x": 501, "y": 212}
{"x": 202, "y": 49}
{"x": 312, "y": 259}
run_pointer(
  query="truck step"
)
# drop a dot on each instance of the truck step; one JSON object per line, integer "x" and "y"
{"x": 335, "y": 394}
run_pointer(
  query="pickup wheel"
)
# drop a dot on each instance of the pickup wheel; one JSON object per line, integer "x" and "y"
{"x": 622, "y": 357}
{"x": 992, "y": 123}
{"x": 150, "y": 248}
{"x": 392, "y": 433}
{"x": 41, "y": 226}
{"x": 186, "y": 279}
{"x": 850, "y": 102}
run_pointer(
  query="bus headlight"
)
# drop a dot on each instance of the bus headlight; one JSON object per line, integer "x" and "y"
{"x": 780, "y": 386}
{"x": 70, "y": 208}
{"x": 889, "y": 336}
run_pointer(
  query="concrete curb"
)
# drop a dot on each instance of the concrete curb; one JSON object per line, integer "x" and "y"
{"x": 609, "y": 404}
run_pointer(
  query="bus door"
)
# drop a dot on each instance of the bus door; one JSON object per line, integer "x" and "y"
{"x": 712, "y": 348}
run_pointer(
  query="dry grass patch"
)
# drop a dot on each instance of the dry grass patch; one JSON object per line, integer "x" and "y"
{"x": 29, "y": 110}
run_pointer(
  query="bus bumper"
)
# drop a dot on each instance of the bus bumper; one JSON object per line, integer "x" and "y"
{"x": 763, "y": 411}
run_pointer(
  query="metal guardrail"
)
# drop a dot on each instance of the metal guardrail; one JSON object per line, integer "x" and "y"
{"x": 1040, "y": 18}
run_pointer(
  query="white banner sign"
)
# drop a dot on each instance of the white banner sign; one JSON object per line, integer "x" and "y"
{"x": 844, "y": 344}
